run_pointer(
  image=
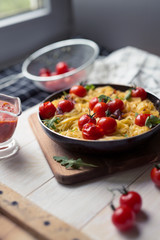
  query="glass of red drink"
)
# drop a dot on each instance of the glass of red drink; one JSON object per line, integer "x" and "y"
{"x": 10, "y": 109}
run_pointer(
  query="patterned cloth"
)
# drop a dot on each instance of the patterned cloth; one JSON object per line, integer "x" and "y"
{"x": 131, "y": 66}
{"x": 23, "y": 88}
{"x": 128, "y": 65}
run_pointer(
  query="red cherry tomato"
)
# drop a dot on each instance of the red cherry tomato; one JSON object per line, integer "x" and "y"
{"x": 123, "y": 218}
{"x": 92, "y": 131}
{"x": 139, "y": 92}
{"x": 93, "y": 102}
{"x": 44, "y": 72}
{"x": 100, "y": 109}
{"x": 115, "y": 104}
{"x": 86, "y": 118}
{"x": 141, "y": 119}
{"x": 108, "y": 125}
{"x": 46, "y": 110}
{"x": 131, "y": 199}
{"x": 61, "y": 68}
{"x": 66, "y": 105}
{"x": 78, "y": 90}
{"x": 155, "y": 175}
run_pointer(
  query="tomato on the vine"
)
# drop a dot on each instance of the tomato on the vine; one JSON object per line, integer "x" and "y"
{"x": 123, "y": 218}
{"x": 115, "y": 104}
{"x": 139, "y": 92}
{"x": 93, "y": 102}
{"x": 155, "y": 174}
{"x": 61, "y": 67}
{"x": 108, "y": 125}
{"x": 100, "y": 109}
{"x": 86, "y": 118}
{"x": 141, "y": 119}
{"x": 66, "y": 105}
{"x": 47, "y": 110}
{"x": 78, "y": 90}
{"x": 131, "y": 199}
{"x": 91, "y": 131}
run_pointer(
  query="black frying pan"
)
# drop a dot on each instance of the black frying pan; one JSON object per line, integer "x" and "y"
{"x": 93, "y": 146}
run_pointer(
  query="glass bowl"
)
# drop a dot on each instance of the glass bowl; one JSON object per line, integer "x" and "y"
{"x": 79, "y": 54}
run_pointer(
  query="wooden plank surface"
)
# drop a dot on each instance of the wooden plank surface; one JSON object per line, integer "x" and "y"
{"x": 147, "y": 220}
{"x": 105, "y": 165}
{"x": 33, "y": 219}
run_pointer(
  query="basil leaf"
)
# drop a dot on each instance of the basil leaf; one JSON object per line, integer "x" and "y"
{"x": 152, "y": 121}
{"x": 104, "y": 98}
{"x": 128, "y": 95}
{"x": 89, "y": 86}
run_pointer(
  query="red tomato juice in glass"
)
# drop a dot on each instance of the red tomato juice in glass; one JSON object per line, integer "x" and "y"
{"x": 8, "y": 122}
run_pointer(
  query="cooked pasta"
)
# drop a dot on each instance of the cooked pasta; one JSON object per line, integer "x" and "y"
{"x": 126, "y": 127}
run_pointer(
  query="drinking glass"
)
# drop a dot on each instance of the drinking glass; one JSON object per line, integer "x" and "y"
{"x": 10, "y": 109}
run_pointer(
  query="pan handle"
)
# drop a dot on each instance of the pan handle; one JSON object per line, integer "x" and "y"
{"x": 9, "y": 80}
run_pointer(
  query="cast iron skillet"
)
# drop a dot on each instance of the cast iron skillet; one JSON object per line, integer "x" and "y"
{"x": 95, "y": 146}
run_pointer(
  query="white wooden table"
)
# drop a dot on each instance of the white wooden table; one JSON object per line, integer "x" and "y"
{"x": 85, "y": 206}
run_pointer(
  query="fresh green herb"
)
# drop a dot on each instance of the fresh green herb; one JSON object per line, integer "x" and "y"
{"x": 117, "y": 97}
{"x": 107, "y": 113}
{"x": 72, "y": 163}
{"x": 74, "y": 129}
{"x": 50, "y": 123}
{"x": 136, "y": 114}
{"x": 65, "y": 93}
{"x": 152, "y": 121}
{"x": 104, "y": 98}
{"x": 89, "y": 86}
{"x": 128, "y": 95}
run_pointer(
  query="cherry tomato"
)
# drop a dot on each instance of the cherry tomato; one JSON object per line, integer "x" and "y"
{"x": 100, "y": 109}
{"x": 123, "y": 218}
{"x": 155, "y": 175}
{"x": 86, "y": 118}
{"x": 78, "y": 90}
{"x": 108, "y": 125}
{"x": 115, "y": 104}
{"x": 44, "y": 72}
{"x": 46, "y": 110}
{"x": 131, "y": 199}
{"x": 66, "y": 105}
{"x": 139, "y": 92}
{"x": 92, "y": 131}
{"x": 141, "y": 119}
{"x": 61, "y": 67}
{"x": 93, "y": 102}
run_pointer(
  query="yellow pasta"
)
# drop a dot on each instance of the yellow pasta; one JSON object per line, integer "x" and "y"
{"x": 126, "y": 127}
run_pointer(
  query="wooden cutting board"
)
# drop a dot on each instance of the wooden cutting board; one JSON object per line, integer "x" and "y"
{"x": 146, "y": 153}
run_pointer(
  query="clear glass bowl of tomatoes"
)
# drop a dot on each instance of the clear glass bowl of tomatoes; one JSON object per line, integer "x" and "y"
{"x": 10, "y": 109}
{"x": 61, "y": 64}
